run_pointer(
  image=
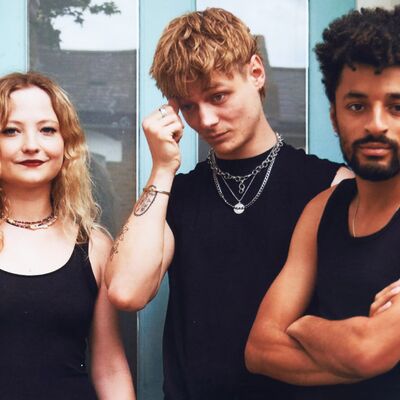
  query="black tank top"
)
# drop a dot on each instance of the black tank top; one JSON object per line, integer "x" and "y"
{"x": 44, "y": 324}
{"x": 350, "y": 273}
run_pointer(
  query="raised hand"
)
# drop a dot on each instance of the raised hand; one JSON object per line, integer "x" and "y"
{"x": 164, "y": 129}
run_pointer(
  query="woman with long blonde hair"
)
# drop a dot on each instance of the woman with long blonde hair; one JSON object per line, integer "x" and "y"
{"x": 52, "y": 296}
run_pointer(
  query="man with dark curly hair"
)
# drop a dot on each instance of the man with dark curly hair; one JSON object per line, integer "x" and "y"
{"x": 223, "y": 231}
{"x": 345, "y": 248}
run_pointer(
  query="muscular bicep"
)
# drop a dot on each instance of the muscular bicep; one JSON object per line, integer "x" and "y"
{"x": 289, "y": 295}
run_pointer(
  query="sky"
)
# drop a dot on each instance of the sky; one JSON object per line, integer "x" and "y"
{"x": 283, "y": 24}
{"x": 101, "y": 32}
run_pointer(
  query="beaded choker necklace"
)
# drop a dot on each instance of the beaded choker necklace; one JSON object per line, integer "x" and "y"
{"x": 34, "y": 225}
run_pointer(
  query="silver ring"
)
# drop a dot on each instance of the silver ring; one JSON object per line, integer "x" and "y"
{"x": 163, "y": 111}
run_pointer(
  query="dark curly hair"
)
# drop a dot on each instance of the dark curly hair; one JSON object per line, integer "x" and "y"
{"x": 370, "y": 36}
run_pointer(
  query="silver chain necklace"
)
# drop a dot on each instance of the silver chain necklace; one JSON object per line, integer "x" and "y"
{"x": 241, "y": 179}
{"x": 239, "y": 207}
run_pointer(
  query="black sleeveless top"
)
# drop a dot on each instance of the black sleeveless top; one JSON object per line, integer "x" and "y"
{"x": 44, "y": 325}
{"x": 223, "y": 265}
{"x": 350, "y": 273}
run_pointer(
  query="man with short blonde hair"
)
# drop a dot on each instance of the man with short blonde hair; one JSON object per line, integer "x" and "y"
{"x": 222, "y": 230}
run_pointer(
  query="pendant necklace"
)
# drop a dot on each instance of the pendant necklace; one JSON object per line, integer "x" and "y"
{"x": 239, "y": 207}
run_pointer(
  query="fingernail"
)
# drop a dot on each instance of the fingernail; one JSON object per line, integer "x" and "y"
{"x": 395, "y": 290}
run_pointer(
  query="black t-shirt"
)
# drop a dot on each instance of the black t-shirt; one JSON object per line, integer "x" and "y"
{"x": 350, "y": 273}
{"x": 222, "y": 267}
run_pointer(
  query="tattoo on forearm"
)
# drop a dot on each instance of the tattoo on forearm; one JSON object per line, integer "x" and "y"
{"x": 118, "y": 240}
{"x": 144, "y": 203}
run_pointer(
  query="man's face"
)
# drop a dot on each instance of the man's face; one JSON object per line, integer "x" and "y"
{"x": 228, "y": 113}
{"x": 366, "y": 115}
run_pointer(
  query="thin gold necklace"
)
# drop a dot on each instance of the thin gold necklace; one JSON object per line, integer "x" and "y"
{"x": 353, "y": 223}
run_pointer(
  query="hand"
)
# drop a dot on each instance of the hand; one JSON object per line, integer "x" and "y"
{"x": 163, "y": 133}
{"x": 383, "y": 299}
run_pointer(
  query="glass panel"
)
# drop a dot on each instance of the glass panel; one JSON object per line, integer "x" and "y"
{"x": 89, "y": 48}
{"x": 377, "y": 3}
{"x": 282, "y": 30}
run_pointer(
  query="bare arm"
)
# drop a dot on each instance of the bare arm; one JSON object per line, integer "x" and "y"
{"x": 365, "y": 346}
{"x": 270, "y": 350}
{"x": 109, "y": 367}
{"x": 144, "y": 249}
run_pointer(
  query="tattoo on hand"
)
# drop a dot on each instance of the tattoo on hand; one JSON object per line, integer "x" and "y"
{"x": 120, "y": 238}
{"x": 144, "y": 203}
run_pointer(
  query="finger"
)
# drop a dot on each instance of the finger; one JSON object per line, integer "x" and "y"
{"x": 384, "y": 307}
{"x": 384, "y": 299}
{"x": 387, "y": 289}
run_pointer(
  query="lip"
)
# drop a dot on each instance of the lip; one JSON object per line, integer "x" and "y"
{"x": 374, "y": 149}
{"x": 215, "y": 137}
{"x": 31, "y": 163}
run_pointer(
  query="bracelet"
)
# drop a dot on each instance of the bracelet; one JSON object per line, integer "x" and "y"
{"x": 153, "y": 189}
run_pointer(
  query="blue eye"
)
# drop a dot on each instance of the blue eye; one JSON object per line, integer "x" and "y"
{"x": 9, "y": 131}
{"x": 48, "y": 130}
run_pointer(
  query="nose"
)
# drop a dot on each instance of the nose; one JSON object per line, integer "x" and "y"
{"x": 377, "y": 123}
{"x": 30, "y": 142}
{"x": 208, "y": 116}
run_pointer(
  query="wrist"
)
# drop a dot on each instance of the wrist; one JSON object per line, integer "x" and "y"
{"x": 161, "y": 178}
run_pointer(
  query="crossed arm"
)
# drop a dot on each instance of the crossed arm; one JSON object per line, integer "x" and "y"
{"x": 314, "y": 351}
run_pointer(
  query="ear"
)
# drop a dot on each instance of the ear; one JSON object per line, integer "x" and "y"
{"x": 257, "y": 71}
{"x": 332, "y": 114}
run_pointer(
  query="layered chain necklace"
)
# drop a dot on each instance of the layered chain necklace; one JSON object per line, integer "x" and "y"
{"x": 34, "y": 225}
{"x": 267, "y": 164}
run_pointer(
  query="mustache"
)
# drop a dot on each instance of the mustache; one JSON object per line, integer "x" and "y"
{"x": 375, "y": 139}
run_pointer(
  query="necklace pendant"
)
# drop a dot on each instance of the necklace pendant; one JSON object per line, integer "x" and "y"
{"x": 238, "y": 208}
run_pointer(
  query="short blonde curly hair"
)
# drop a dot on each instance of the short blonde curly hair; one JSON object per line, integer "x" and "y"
{"x": 197, "y": 44}
{"x": 71, "y": 193}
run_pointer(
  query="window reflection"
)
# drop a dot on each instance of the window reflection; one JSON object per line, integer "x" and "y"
{"x": 89, "y": 48}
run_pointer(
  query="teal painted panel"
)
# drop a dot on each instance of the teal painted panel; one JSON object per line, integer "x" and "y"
{"x": 13, "y": 31}
{"x": 153, "y": 17}
{"x": 321, "y": 137}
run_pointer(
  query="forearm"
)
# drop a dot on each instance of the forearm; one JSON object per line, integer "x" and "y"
{"x": 135, "y": 269}
{"x": 338, "y": 346}
{"x": 113, "y": 385}
{"x": 279, "y": 356}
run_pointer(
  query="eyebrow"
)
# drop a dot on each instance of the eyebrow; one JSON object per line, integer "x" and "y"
{"x": 43, "y": 121}
{"x": 360, "y": 95}
{"x": 355, "y": 95}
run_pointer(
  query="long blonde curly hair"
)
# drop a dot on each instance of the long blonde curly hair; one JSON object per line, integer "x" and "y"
{"x": 71, "y": 193}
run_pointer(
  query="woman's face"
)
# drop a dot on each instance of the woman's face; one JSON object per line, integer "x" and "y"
{"x": 31, "y": 145}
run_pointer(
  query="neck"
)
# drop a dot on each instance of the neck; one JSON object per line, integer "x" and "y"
{"x": 379, "y": 195}
{"x": 28, "y": 205}
{"x": 374, "y": 206}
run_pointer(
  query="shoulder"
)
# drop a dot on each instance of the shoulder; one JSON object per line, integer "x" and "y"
{"x": 310, "y": 160}
{"x": 313, "y": 211}
{"x": 183, "y": 181}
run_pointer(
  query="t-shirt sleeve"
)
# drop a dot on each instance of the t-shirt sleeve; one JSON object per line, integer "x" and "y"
{"x": 174, "y": 200}
{"x": 316, "y": 174}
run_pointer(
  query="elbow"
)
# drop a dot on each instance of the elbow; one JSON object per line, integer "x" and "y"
{"x": 252, "y": 357}
{"x": 128, "y": 298}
